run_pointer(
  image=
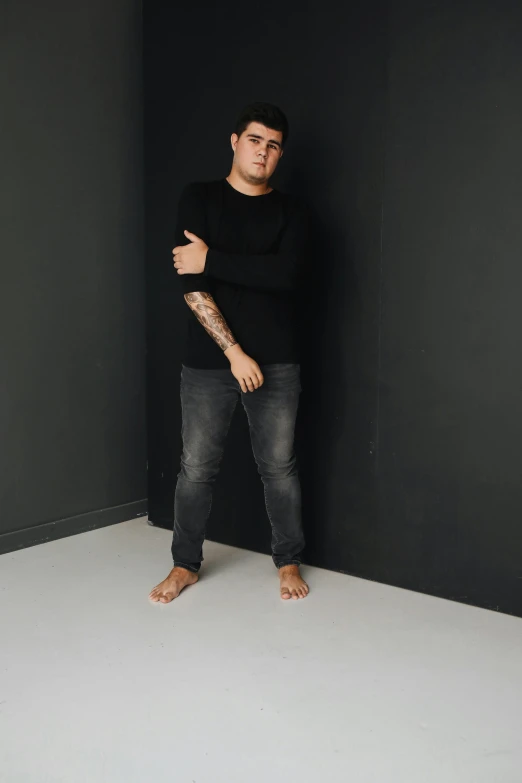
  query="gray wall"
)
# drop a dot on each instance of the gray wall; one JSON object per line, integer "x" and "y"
{"x": 73, "y": 434}
{"x": 406, "y": 121}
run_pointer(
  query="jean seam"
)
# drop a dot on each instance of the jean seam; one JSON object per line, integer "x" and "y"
{"x": 274, "y": 529}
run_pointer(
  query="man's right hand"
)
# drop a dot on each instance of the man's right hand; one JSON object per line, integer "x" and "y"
{"x": 245, "y": 369}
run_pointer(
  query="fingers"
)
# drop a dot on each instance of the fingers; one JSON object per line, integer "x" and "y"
{"x": 253, "y": 382}
{"x": 177, "y": 262}
{"x": 246, "y": 385}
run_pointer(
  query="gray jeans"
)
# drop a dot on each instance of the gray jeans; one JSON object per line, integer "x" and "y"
{"x": 208, "y": 400}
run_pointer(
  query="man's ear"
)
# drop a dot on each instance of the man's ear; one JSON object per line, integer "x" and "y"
{"x": 234, "y": 140}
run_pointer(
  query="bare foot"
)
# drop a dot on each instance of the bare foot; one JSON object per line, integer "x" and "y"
{"x": 292, "y": 583}
{"x": 172, "y": 586}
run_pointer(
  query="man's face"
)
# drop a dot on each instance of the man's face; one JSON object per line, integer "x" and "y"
{"x": 257, "y": 152}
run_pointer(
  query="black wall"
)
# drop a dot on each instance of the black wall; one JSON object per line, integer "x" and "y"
{"x": 405, "y": 137}
{"x": 450, "y": 413}
{"x": 72, "y": 312}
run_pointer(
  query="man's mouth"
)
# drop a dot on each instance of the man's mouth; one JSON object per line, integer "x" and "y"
{"x": 258, "y": 164}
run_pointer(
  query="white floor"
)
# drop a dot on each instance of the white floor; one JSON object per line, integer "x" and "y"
{"x": 357, "y": 683}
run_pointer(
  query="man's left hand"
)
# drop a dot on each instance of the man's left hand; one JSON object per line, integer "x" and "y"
{"x": 190, "y": 259}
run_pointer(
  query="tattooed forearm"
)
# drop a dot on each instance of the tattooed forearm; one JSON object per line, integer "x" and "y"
{"x": 209, "y": 315}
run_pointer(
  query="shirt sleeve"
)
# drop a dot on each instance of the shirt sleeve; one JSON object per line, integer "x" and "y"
{"x": 191, "y": 216}
{"x": 278, "y": 271}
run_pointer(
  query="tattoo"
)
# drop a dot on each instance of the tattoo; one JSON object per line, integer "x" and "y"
{"x": 209, "y": 315}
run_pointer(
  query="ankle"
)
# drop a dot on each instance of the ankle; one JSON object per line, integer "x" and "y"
{"x": 182, "y": 571}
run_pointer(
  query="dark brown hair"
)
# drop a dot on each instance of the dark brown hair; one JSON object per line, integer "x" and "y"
{"x": 265, "y": 113}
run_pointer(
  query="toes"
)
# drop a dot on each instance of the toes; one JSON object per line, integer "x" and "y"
{"x": 295, "y": 592}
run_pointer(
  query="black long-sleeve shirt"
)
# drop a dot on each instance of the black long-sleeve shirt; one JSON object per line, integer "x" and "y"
{"x": 253, "y": 265}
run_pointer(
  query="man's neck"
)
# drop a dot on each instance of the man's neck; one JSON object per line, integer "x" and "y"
{"x": 238, "y": 183}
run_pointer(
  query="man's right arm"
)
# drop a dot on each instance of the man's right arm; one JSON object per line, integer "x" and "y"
{"x": 191, "y": 217}
{"x": 198, "y": 288}
{"x": 210, "y": 317}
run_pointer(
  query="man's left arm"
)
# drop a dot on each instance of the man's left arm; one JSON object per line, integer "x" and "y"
{"x": 277, "y": 271}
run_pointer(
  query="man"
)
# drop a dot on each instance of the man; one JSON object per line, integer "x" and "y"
{"x": 239, "y": 273}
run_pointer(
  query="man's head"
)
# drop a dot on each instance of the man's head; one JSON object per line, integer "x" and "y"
{"x": 260, "y": 135}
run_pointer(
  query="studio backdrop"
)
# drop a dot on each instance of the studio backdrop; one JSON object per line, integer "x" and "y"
{"x": 405, "y": 126}
{"x": 73, "y": 437}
